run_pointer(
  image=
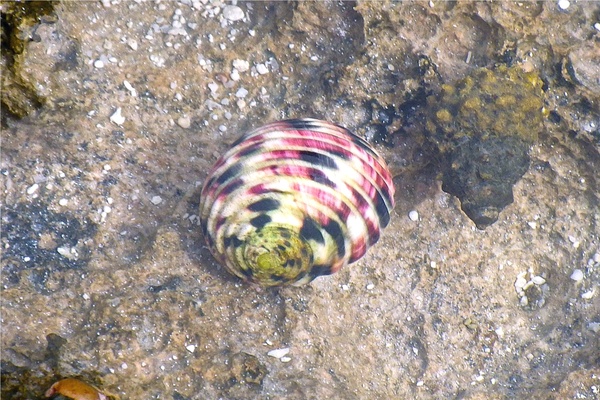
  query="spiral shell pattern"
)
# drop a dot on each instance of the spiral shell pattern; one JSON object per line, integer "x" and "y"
{"x": 294, "y": 200}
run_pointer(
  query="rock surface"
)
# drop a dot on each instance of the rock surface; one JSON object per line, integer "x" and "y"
{"x": 104, "y": 274}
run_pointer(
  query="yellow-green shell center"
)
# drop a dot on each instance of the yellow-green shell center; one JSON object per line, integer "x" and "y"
{"x": 276, "y": 254}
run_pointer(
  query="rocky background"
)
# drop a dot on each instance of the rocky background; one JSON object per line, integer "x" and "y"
{"x": 113, "y": 113}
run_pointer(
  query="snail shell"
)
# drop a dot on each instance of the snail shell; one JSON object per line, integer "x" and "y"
{"x": 294, "y": 200}
{"x": 75, "y": 389}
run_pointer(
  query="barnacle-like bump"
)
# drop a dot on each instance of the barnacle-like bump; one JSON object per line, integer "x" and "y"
{"x": 294, "y": 200}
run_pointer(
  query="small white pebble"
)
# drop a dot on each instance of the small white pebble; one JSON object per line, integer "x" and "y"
{"x": 285, "y": 359}
{"x": 63, "y": 202}
{"x": 532, "y": 224}
{"x": 413, "y": 215}
{"x": 520, "y": 283}
{"x": 133, "y": 44}
{"x": 574, "y": 241}
{"x": 106, "y": 167}
{"x": 596, "y": 258}
{"x": 222, "y": 128}
{"x": 370, "y": 286}
{"x": 577, "y": 275}
{"x": 241, "y": 93}
{"x": 128, "y": 86}
{"x": 33, "y": 188}
{"x": 538, "y": 280}
{"x": 156, "y": 200}
{"x": 564, "y": 4}
{"x": 433, "y": 264}
{"x": 588, "y": 295}
{"x": 191, "y": 348}
{"x": 262, "y": 69}
{"x": 594, "y": 326}
{"x": 345, "y": 287}
{"x": 117, "y": 118}
{"x": 278, "y": 353}
{"x": 597, "y": 26}
{"x": 420, "y": 383}
{"x": 241, "y": 65}
{"x": 233, "y": 13}
{"x": 98, "y": 64}
{"x": 213, "y": 87}
{"x": 124, "y": 366}
{"x": 184, "y": 122}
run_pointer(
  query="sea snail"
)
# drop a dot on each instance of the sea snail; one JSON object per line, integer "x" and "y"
{"x": 75, "y": 389}
{"x": 293, "y": 200}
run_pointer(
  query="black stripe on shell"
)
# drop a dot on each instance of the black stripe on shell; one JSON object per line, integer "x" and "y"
{"x": 319, "y": 270}
{"x": 339, "y": 154}
{"x": 335, "y": 231}
{"x": 260, "y": 221}
{"x": 238, "y": 140}
{"x": 382, "y": 210}
{"x": 317, "y": 159}
{"x": 310, "y": 231}
{"x": 303, "y": 123}
{"x": 249, "y": 151}
{"x": 232, "y": 241}
{"x": 277, "y": 278}
{"x": 321, "y": 177}
{"x": 229, "y": 173}
{"x": 264, "y": 205}
{"x": 232, "y": 186}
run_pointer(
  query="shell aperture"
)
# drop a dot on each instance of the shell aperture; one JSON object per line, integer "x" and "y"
{"x": 294, "y": 200}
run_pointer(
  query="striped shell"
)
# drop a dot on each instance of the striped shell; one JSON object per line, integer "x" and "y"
{"x": 293, "y": 200}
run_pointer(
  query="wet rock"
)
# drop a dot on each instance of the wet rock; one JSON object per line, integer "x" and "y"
{"x": 483, "y": 126}
{"x": 481, "y": 173}
{"x": 38, "y": 58}
{"x": 240, "y": 374}
{"x": 247, "y": 368}
{"x": 19, "y": 22}
{"x": 41, "y": 241}
{"x": 585, "y": 64}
